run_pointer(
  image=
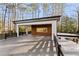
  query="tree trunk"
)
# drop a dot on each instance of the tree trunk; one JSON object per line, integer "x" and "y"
{"x": 78, "y": 21}
{"x": 4, "y": 22}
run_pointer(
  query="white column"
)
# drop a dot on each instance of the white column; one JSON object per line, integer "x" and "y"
{"x": 52, "y": 33}
{"x": 17, "y": 30}
{"x": 54, "y": 29}
{"x": 26, "y": 30}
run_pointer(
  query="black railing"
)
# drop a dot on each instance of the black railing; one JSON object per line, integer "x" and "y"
{"x": 7, "y": 35}
{"x": 58, "y": 47}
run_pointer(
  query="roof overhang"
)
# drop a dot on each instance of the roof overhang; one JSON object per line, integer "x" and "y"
{"x": 43, "y": 19}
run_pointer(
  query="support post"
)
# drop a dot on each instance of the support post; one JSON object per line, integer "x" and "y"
{"x": 17, "y": 30}
{"x": 26, "y": 29}
{"x": 52, "y": 33}
{"x": 54, "y": 29}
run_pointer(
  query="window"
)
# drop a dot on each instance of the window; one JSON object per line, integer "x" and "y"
{"x": 44, "y": 29}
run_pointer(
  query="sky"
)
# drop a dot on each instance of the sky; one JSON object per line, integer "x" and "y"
{"x": 69, "y": 10}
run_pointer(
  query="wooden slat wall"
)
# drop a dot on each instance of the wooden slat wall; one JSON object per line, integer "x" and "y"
{"x": 48, "y": 33}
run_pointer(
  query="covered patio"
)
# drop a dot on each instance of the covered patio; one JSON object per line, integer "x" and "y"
{"x": 45, "y": 26}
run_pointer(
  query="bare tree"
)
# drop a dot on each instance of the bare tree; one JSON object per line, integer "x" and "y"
{"x": 4, "y": 19}
{"x": 34, "y": 8}
{"x": 78, "y": 19}
{"x": 11, "y": 7}
{"x": 45, "y": 9}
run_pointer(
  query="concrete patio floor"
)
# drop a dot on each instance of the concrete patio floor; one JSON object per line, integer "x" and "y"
{"x": 69, "y": 47}
{"x": 29, "y": 45}
{"x": 26, "y": 46}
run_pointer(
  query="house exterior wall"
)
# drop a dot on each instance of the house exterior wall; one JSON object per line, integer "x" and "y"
{"x": 47, "y": 33}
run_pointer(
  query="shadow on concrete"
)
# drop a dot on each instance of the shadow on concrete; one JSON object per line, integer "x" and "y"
{"x": 44, "y": 47}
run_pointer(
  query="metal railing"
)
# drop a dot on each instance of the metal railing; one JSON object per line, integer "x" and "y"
{"x": 74, "y": 38}
{"x": 58, "y": 47}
